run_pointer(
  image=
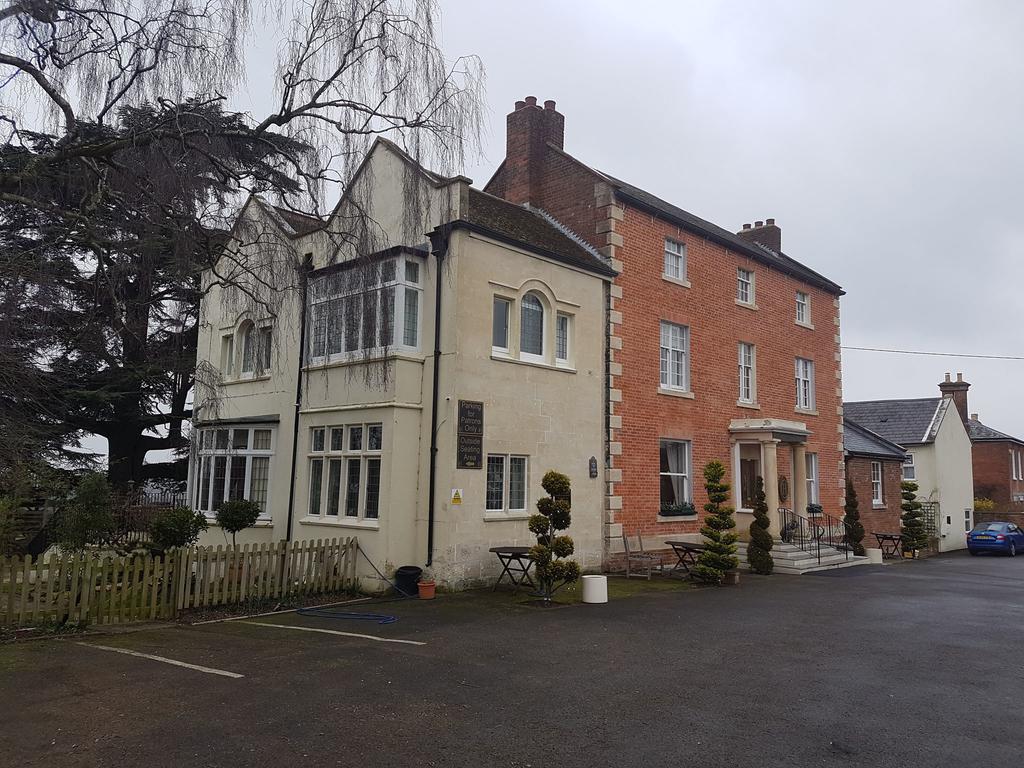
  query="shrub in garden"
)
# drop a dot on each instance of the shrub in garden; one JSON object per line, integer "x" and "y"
{"x": 984, "y": 505}
{"x": 719, "y": 553}
{"x": 759, "y": 554}
{"x": 88, "y": 516}
{"x": 915, "y": 537}
{"x": 552, "y": 570}
{"x": 234, "y": 516}
{"x": 854, "y": 527}
{"x": 178, "y": 527}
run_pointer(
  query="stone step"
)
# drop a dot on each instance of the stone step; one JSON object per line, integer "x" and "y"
{"x": 791, "y": 560}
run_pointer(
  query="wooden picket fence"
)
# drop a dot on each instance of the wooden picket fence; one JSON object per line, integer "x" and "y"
{"x": 108, "y": 589}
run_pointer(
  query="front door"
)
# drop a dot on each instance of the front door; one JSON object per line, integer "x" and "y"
{"x": 750, "y": 470}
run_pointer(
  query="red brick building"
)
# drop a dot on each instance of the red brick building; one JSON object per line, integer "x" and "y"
{"x": 720, "y": 346}
{"x": 874, "y": 466}
{"x": 998, "y": 458}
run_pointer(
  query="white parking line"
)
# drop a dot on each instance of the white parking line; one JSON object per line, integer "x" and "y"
{"x": 332, "y": 632}
{"x": 175, "y": 662}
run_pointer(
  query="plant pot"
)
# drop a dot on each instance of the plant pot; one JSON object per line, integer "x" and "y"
{"x": 426, "y": 589}
{"x": 731, "y": 578}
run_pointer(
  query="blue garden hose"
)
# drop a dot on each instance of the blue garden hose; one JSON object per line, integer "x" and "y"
{"x": 327, "y": 613}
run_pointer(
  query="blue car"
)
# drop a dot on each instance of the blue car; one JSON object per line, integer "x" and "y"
{"x": 995, "y": 537}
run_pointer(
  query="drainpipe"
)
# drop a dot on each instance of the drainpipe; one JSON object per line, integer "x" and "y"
{"x": 439, "y": 239}
{"x": 304, "y": 270}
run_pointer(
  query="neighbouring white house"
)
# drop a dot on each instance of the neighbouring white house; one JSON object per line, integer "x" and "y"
{"x": 938, "y": 457}
{"x": 426, "y": 354}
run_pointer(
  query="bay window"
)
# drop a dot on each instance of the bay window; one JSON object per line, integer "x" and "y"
{"x": 232, "y": 463}
{"x": 345, "y": 472}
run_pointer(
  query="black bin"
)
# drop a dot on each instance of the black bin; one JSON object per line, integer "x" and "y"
{"x": 406, "y": 579}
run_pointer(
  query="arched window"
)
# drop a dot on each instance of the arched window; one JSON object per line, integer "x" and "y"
{"x": 248, "y": 334}
{"x": 531, "y": 326}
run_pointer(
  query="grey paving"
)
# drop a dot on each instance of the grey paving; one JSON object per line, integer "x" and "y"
{"x": 904, "y": 665}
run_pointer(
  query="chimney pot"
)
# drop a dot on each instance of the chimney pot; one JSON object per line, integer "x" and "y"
{"x": 746, "y": 226}
{"x": 770, "y": 222}
{"x": 549, "y": 104}
{"x": 948, "y": 378}
{"x": 531, "y": 101}
{"x": 520, "y": 105}
{"x": 959, "y": 376}
{"x": 758, "y": 223}
{"x": 974, "y": 417}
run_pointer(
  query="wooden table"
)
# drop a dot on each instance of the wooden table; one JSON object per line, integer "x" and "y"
{"x": 891, "y": 544}
{"x": 686, "y": 555}
{"x": 516, "y": 564}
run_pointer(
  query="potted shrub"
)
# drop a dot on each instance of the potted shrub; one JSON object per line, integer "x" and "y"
{"x": 235, "y": 516}
{"x": 815, "y": 510}
{"x": 552, "y": 567}
{"x": 427, "y": 586}
{"x": 717, "y": 563}
{"x": 759, "y": 549}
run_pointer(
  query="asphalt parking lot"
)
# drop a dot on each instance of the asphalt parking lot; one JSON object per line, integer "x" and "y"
{"x": 916, "y": 664}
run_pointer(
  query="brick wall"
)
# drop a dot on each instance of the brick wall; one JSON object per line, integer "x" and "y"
{"x": 993, "y": 478}
{"x": 885, "y": 519}
{"x": 717, "y": 324}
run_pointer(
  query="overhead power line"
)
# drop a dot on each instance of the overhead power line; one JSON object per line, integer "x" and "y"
{"x": 935, "y": 354}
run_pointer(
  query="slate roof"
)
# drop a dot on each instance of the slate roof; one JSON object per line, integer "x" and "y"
{"x": 979, "y": 432}
{"x": 756, "y": 251}
{"x": 904, "y": 422}
{"x": 860, "y": 441}
{"x": 302, "y": 223}
{"x": 533, "y": 229}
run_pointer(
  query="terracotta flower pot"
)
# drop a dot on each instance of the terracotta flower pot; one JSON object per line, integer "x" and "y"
{"x": 426, "y": 589}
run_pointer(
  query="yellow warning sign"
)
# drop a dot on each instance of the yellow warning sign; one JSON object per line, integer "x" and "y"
{"x": 456, "y": 495}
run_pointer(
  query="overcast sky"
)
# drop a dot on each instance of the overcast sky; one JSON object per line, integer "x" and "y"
{"x": 884, "y": 138}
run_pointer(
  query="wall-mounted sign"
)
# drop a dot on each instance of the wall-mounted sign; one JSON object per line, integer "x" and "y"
{"x": 593, "y": 466}
{"x": 456, "y": 495}
{"x": 469, "y": 445}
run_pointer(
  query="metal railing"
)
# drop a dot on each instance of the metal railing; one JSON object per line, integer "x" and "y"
{"x": 811, "y": 534}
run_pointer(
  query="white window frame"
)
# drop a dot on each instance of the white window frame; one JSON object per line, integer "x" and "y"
{"x": 803, "y": 308}
{"x": 877, "y": 490}
{"x": 505, "y": 508}
{"x": 811, "y": 470}
{"x": 227, "y": 355}
{"x": 509, "y": 304}
{"x": 325, "y": 450}
{"x": 745, "y": 290}
{"x": 671, "y": 352}
{"x": 674, "y": 265}
{"x": 908, "y": 464}
{"x": 804, "y": 369}
{"x": 687, "y": 471}
{"x": 329, "y": 292}
{"x": 207, "y": 453}
{"x": 564, "y": 359}
{"x": 747, "y": 368}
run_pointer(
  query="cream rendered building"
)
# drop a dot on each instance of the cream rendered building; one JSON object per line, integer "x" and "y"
{"x": 456, "y": 315}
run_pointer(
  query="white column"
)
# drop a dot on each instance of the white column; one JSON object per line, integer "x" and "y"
{"x": 800, "y": 479}
{"x": 770, "y": 474}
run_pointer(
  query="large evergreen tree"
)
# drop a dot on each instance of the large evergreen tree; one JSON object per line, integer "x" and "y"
{"x": 719, "y": 553}
{"x": 759, "y": 549}
{"x": 852, "y": 524}
{"x": 915, "y": 536}
{"x": 123, "y": 167}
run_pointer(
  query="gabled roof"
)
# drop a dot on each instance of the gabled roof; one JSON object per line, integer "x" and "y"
{"x": 533, "y": 229}
{"x": 904, "y": 422}
{"x": 756, "y": 251}
{"x": 685, "y": 220}
{"x": 301, "y": 223}
{"x": 860, "y": 441}
{"x": 979, "y": 432}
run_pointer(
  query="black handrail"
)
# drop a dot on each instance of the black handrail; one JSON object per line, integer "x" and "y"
{"x": 809, "y": 535}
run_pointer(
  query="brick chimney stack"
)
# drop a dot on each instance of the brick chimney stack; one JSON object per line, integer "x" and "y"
{"x": 957, "y": 392}
{"x": 764, "y": 232}
{"x": 528, "y": 129}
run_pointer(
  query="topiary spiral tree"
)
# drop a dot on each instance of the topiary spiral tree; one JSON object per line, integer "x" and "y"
{"x": 854, "y": 527}
{"x": 551, "y": 569}
{"x": 759, "y": 550}
{"x": 915, "y": 537}
{"x": 720, "y": 542}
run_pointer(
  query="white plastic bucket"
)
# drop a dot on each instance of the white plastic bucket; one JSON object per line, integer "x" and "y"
{"x": 595, "y": 589}
{"x": 874, "y": 555}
